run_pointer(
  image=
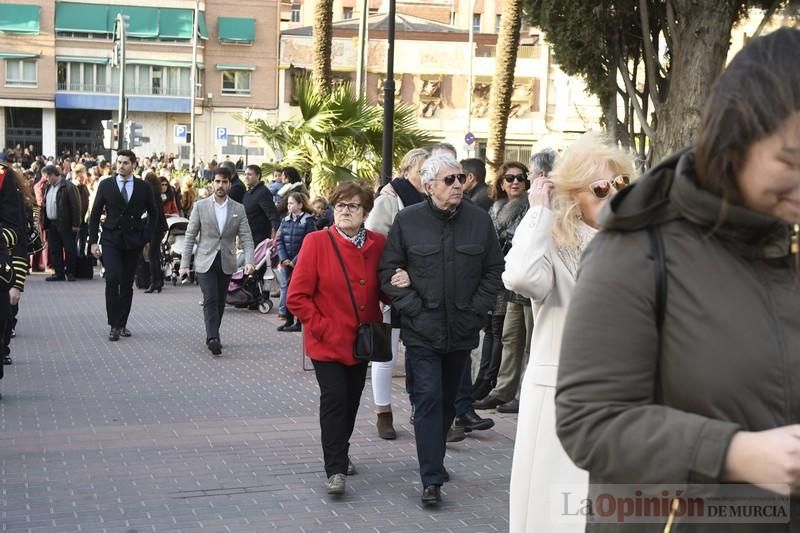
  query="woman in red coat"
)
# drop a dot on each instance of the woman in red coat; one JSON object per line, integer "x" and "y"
{"x": 318, "y": 296}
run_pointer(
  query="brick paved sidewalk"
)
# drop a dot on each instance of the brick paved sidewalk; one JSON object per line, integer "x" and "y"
{"x": 152, "y": 434}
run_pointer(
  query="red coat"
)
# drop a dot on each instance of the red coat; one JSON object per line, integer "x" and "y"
{"x": 318, "y": 295}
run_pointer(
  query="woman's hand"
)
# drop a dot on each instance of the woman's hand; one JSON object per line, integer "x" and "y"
{"x": 541, "y": 188}
{"x": 769, "y": 459}
{"x": 400, "y": 279}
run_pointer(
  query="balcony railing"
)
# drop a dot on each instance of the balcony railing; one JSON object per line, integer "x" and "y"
{"x": 134, "y": 91}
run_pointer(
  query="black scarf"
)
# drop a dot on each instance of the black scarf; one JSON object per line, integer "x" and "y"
{"x": 406, "y": 191}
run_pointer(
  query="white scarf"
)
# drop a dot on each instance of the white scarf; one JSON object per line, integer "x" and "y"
{"x": 571, "y": 256}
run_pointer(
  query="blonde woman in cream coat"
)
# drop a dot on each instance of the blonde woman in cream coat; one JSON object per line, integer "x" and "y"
{"x": 542, "y": 265}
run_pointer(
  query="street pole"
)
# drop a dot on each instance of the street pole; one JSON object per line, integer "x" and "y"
{"x": 120, "y": 32}
{"x": 193, "y": 86}
{"x": 470, "y": 81}
{"x": 362, "y": 46}
{"x": 388, "y": 101}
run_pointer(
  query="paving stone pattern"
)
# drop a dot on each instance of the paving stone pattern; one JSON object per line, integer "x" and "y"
{"x": 152, "y": 434}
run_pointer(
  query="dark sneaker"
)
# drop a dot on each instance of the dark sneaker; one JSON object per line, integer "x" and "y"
{"x": 214, "y": 346}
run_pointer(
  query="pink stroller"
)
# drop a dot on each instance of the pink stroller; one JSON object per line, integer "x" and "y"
{"x": 248, "y": 291}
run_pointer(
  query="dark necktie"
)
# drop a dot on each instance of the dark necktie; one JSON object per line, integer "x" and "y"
{"x": 124, "y": 190}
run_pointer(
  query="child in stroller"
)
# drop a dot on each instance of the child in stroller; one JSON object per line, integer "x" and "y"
{"x": 248, "y": 291}
{"x": 172, "y": 248}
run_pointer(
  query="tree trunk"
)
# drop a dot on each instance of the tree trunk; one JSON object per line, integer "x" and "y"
{"x": 701, "y": 45}
{"x": 503, "y": 83}
{"x": 323, "y": 43}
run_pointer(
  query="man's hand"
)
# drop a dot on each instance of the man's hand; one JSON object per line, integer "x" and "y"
{"x": 14, "y": 295}
{"x": 95, "y": 250}
{"x": 183, "y": 271}
{"x": 400, "y": 278}
{"x": 249, "y": 269}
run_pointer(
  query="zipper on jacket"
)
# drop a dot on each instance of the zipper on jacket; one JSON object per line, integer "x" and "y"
{"x": 676, "y": 504}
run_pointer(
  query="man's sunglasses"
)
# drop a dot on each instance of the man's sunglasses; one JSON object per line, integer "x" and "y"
{"x": 522, "y": 178}
{"x": 602, "y": 188}
{"x": 451, "y": 179}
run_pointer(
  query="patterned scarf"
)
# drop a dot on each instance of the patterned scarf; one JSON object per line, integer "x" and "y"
{"x": 359, "y": 239}
{"x": 571, "y": 256}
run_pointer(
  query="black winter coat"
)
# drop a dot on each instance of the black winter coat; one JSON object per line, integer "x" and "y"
{"x": 262, "y": 215}
{"x": 454, "y": 262}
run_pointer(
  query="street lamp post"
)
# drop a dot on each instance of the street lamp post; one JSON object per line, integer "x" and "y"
{"x": 388, "y": 101}
{"x": 193, "y": 87}
{"x": 470, "y": 81}
{"x": 120, "y": 24}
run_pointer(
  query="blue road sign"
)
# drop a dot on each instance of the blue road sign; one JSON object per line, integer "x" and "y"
{"x": 180, "y": 131}
{"x": 469, "y": 138}
{"x": 222, "y": 134}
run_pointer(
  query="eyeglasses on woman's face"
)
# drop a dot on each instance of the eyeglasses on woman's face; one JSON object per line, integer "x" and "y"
{"x": 349, "y": 206}
{"x": 510, "y": 178}
{"x": 451, "y": 179}
{"x": 602, "y": 188}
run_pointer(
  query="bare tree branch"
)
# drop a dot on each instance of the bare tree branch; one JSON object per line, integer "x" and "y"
{"x": 623, "y": 68}
{"x": 652, "y": 64}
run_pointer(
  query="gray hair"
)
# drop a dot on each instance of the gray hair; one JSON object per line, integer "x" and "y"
{"x": 432, "y": 166}
{"x": 439, "y": 147}
{"x": 542, "y": 162}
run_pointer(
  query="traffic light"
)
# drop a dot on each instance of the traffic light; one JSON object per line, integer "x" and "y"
{"x": 110, "y": 134}
{"x": 133, "y": 134}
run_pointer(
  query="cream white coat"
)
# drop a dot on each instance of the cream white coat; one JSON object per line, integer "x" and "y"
{"x": 542, "y": 471}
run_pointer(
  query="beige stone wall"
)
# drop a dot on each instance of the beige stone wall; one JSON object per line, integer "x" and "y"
{"x": 43, "y": 45}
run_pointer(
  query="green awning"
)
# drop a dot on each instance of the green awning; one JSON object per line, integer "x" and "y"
{"x": 21, "y": 19}
{"x": 16, "y": 55}
{"x": 81, "y": 59}
{"x": 236, "y": 67}
{"x": 202, "y": 26}
{"x": 142, "y": 21}
{"x": 158, "y": 62}
{"x": 237, "y": 30}
{"x": 175, "y": 23}
{"x": 82, "y": 18}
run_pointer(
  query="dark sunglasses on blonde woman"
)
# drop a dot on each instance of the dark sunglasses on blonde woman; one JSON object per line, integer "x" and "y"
{"x": 602, "y": 188}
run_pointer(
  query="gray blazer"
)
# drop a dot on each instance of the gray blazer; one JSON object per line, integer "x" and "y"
{"x": 204, "y": 231}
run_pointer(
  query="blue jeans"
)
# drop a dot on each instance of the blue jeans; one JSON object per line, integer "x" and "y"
{"x": 437, "y": 377}
{"x": 284, "y": 276}
{"x": 464, "y": 395}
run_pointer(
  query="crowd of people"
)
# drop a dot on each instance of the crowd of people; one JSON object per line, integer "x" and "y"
{"x": 598, "y": 305}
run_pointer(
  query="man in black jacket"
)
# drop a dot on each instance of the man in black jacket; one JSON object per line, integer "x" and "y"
{"x": 128, "y": 204}
{"x": 475, "y": 188}
{"x": 62, "y": 220}
{"x": 237, "y": 187}
{"x": 262, "y": 215}
{"x": 441, "y": 266}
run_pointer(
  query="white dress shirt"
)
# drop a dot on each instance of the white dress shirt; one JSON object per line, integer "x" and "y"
{"x": 127, "y": 183}
{"x": 221, "y": 210}
{"x": 51, "y": 203}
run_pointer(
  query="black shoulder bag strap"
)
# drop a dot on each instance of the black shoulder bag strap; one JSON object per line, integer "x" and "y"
{"x": 346, "y": 276}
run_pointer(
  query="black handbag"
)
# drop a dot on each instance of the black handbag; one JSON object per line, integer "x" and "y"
{"x": 373, "y": 339}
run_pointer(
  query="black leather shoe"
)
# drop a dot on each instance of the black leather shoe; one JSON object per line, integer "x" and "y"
{"x": 214, "y": 346}
{"x": 294, "y": 327}
{"x": 55, "y": 277}
{"x": 490, "y": 402}
{"x": 124, "y": 332}
{"x": 472, "y": 422}
{"x": 7, "y": 360}
{"x": 70, "y": 277}
{"x": 431, "y": 495}
{"x": 113, "y": 335}
{"x": 285, "y": 326}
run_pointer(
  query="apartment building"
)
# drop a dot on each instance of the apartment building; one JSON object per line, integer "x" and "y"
{"x": 60, "y": 81}
{"x": 432, "y": 66}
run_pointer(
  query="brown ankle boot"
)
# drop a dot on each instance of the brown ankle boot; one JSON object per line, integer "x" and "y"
{"x": 385, "y": 426}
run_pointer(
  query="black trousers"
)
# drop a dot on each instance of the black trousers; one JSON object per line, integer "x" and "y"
{"x": 340, "y": 388}
{"x": 5, "y": 317}
{"x": 214, "y": 285}
{"x": 436, "y": 380}
{"x": 5, "y": 334}
{"x": 120, "y": 268}
{"x": 491, "y": 355}
{"x": 62, "y": 248}
{"x": 154, "y": 256}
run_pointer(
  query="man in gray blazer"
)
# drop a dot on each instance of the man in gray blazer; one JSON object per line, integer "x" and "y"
{"x": 214, "y": 225}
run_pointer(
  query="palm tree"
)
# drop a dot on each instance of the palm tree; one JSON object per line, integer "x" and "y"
{"x": 323, "y": 43}
{"x": 338, "y": 136}
{"x": 503, "y": 83}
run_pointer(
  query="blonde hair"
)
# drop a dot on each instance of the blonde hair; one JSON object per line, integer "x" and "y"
{"x": 413, "y": 157}
{"x": 574, "y": 171}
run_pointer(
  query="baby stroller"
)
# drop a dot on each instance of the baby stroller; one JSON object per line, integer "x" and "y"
{"x": 172, "y": 248}
{"x": 248, "y": 291}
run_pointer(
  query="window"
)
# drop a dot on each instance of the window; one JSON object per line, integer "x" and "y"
{"x": 236, "y": 82}
{"x": 373, "y": 11}
{"x": 347, "y": 13}
{"x": 497, "y": 24}
{"x": 296, "y": 12}
{"x": 476, "y": 22}
{"x": 21, "y": 72}
{"x": 452, "y": 18}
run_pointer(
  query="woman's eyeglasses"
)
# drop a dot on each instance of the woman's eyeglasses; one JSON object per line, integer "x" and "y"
{"x": 351, "y": 208}
{"x": 451, "y": 179}
{"x": 510, "y": 178}
{"x": 602, "y": 188}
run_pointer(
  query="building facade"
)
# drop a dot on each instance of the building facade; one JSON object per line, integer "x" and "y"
{"x": 60, "y": 81}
